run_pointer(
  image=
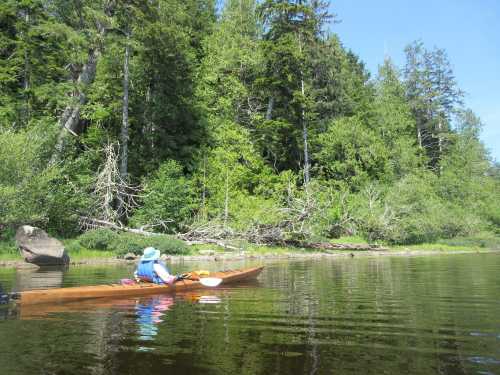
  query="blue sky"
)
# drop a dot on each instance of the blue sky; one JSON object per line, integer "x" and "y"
{"x": 469, "y": 30}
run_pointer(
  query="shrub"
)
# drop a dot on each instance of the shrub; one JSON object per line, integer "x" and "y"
{"x": 122, "y": 243}
{"x": 73, "y": 246}
{"x": 166, "y": 244}
{"x": 484, "y": 240}
{"x": 412, "y": 212}
{"x": 132, "y": 243}
{"x": 35, "y": 192}
{"x": 98, "y": 239}
{"x": 169, "y": 197}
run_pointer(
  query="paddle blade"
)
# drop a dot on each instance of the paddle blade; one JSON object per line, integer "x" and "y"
{"x": 210, "y": 281}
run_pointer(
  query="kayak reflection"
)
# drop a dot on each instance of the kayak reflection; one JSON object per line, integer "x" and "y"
{"x": 148, "y": 310}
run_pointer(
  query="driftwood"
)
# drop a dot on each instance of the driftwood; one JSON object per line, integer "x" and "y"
{"x": 91, "y": 223}
{"x": 211, "y": 241}
{"x": 341, "y": 246}
{"x": 212, "y": 232}
{"x": 195, "y": 237}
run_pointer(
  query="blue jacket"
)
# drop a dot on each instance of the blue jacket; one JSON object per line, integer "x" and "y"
{"x": 146, "y": 272}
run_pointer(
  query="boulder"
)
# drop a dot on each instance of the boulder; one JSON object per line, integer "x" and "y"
{"x": 38, "y": 248}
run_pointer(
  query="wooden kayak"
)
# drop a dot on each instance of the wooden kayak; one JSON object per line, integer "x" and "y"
{"x": 118, "y": 290}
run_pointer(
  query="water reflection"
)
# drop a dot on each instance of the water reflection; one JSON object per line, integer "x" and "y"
{"x": 150, "y": 312}
{"x": 4, "y": 297}
{"x": 40, "y": 278}
{"x": 149, "y": 315}
{"x": 209, "y": 300}
{"x": 4, "y": 300}
{"x": 368, "y": 316}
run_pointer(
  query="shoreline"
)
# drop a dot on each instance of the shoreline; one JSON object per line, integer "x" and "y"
{"x": 217, "y": 257}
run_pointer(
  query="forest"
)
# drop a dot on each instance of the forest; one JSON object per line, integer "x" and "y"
{"x": 236, "y": 120}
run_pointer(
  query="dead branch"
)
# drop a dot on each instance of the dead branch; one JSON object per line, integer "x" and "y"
{"x": 212, "y": 241}
{"x": 114, "y": 198}
{"x": 341, "y": 246}
{"x": 91, "y": 223}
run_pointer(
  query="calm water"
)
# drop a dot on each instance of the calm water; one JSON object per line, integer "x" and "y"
{"x": 421, "y": 315}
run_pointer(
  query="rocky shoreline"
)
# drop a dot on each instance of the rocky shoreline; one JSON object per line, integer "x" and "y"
{"x": 216, "y": 257}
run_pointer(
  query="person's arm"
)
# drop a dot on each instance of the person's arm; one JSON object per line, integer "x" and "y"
{"x": 162, "y": 273}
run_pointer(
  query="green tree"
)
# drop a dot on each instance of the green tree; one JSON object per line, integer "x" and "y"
{"x": 351, "y": 154}
{"x": 292, "y": 29}
{"x": 433, "y": 95}
{"x": 394, "y": 122}
{"x": 169, "y": 199}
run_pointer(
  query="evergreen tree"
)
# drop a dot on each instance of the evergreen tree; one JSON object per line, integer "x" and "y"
{"x": 292, "y": 29}
{"x": 433, "y": 95}
{"x": 394, "y": 121}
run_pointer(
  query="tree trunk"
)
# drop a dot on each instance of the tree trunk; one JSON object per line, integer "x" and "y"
{"x": 304, "y": 137}
{"x": 440, "y": 145}
{"x": 125, "y": 124}
{"x": 270, "y": 106}
{"x": 26, "y": 75}
{"x": 304, "y": 124}
{"x": 440, "y": 138}
{"x": 70, "y": 118}
{"x": 204, "y": 191}
{"x": 419, "y": 136}
{"x": 226, "y": 199}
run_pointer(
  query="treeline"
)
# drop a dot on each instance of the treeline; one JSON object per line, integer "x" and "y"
{"x": 250, "y": 121}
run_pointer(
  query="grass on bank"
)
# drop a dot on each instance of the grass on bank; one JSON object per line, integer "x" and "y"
{"x": 485, "y": 241}
{"x": 8, "y": 251}
{"x": 108, "y": 244}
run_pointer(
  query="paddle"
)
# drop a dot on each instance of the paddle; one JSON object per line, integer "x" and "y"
{"x": 206, "y": 281}
{"x": 210, "y": 281}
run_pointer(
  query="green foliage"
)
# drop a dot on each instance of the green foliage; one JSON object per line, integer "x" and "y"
{"x": 230, "y": 168}
{"x": 482, "y": 240}
{"x": 122, "y": 243}
{"x": 221, "y": 108}
{"x": 412, "y": 211}
{"x": 168, "y": 197}
{"x": 128, "y": 242}
{"x": 8, "y": 248}
{"x": 352, "y": 154}
{"x": 251, "y": 212}
{"x": 433, "y": 96}
{"x": 393, "y": 121}
{"x": 30, "y": 191}
{"x": 98, "y": 239}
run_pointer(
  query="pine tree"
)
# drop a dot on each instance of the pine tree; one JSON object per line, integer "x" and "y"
{"x": 394, "y": 121}
{"x": 433, "y": 95}
{"x": 292, "y": 29}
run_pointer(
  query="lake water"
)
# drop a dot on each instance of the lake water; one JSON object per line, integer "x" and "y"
{"x": 387, "y": 315}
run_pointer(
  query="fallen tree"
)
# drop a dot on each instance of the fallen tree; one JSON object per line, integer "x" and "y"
{"x": 194, "y": 238}
{"x": 91, "y": 224}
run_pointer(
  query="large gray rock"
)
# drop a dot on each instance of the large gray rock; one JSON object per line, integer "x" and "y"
{"x": 38, "y": 248}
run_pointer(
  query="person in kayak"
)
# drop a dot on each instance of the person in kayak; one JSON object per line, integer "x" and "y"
{"x": 150, "y": 269}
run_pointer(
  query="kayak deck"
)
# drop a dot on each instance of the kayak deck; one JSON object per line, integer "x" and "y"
{"x": 118, "y": 290}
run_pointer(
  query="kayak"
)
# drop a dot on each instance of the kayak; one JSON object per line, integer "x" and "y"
{"x": 138, "y": 289}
